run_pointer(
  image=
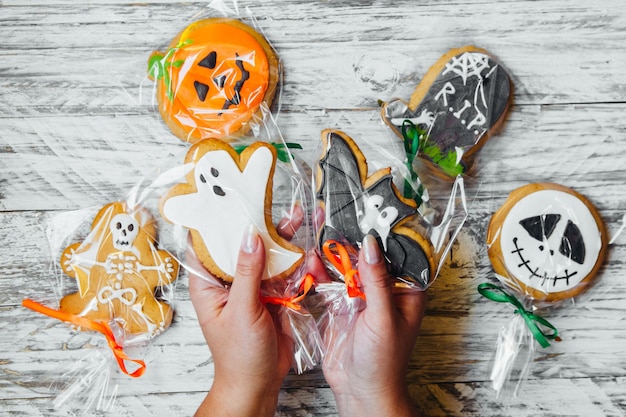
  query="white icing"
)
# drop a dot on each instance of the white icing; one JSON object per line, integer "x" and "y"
{"x": 126, "y": 296}
{"x": 221, "y": 220}
{"x": 536, "y": 268}
{"x": 467, "y": 65}
{"x": 377, "y": 218}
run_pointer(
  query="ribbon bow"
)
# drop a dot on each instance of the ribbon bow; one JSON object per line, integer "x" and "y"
{"x": 292, "y": 302}
{"x": 282, "y": 150}
{"x": 338, "y": 256}
{"x": 412, "y": 145}
{"x": 498, "y": 294}
{"x": 98, "y": 326}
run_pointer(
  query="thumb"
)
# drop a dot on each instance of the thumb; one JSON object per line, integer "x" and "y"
{"x": 374, "y": 277}
{"x": 246, "y": 286}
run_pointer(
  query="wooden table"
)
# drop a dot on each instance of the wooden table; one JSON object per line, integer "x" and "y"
{"x": 75, "y": 132}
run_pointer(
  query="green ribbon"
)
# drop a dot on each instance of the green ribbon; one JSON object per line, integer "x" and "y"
{"x": 159, "y": 65}
{"x": 282, "y": 150}
{"x": 412, "y": 145}
{"x": 498, "y": 294}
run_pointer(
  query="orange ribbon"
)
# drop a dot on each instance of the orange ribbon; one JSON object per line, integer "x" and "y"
{"x": 338, "y": 256}
{"x": 292, "y": 302}
{"x": 97, "y": 326}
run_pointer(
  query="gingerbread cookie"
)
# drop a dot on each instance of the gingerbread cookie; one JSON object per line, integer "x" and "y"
{"x": 214, "y": 78}
{"x": 118, "y": 268}
{"x": 355, "y": 205}
{"x": 548, "y": 240}
{"x": 461, "y": 101}
{"x": 225, "y": 193}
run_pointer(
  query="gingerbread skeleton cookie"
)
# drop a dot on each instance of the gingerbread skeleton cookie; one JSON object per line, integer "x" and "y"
{"x": 225, "y": 193}
{"x": 214, "y": 78}
{"x": 460, "y": 102}
{"x": 356, "y": 204}
{"x": 547, "y": 240}
{"x": 118, "y": 268}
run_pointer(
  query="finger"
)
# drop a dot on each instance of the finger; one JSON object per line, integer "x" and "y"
{"x": 246, "y": 286}
{"x": 288, "y": 225}
{"x": 315, "y": 267}
{"x": 375, "y": 278}
{"x": 411, "y": 305}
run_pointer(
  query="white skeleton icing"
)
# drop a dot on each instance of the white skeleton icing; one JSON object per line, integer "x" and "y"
{"x": 227, "y": 201}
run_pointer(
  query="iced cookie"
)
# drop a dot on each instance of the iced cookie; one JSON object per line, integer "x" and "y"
{"x": 461, "y": 101}
{"x": 548, "y": 240}
{"x": 225, "y": 193}
{"x": 356, "y": 204}
{"x": 214, "y": 78}
{"x": 118, "y": 268}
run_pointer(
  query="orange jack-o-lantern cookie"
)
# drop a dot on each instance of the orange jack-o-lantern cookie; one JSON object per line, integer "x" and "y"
{"x": 118, "y": 269}
{"x": 214, "y": 78}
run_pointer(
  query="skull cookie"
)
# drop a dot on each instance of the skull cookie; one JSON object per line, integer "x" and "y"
{"x": 214, "y": 78}
{"x": 118, "y": 269}
{"x": 548, "y": 240}
{"x": 225, "y": 193}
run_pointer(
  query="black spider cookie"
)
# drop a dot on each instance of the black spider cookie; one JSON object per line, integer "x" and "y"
{"x": 548, "y": 240}
{"x": 356, "y": 205}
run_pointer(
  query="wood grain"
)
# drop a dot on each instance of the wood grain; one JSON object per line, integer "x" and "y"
{"x": 78, "y": 129}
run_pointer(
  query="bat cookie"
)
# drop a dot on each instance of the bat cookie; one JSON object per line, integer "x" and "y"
{"x": 214, "y": 78}
{"x": 225, "y": 193}
{"x": 547, "y": 240}
{"x": 461, "y": 101}
{"x": 118, "y": 268}
{"x": 355, "y": 205}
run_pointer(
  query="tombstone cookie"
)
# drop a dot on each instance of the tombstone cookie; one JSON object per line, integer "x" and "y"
{"x": 118, "y": 268}
{"x": 225, "y": 193}
{"x": 214, "y": 78}
{"x": 547, "y": 240}
{"x": 356, "y": 204}
{"x": 461, "y": 101}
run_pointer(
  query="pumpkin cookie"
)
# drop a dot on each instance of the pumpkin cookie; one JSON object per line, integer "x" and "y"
{"x": 225, "y": 193}
{"x": 214, "y": 78}
{"x": 117, "y": 269}
{"x": 547, "y": 240}
{"x": 461, "y": 101}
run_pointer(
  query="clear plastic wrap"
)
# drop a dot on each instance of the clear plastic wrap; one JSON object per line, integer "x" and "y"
{"x": 546, "y": 244}
{"x": 110, "y": 276}
{"x": 461, "y": 101}
{"x": 213, "y": 78}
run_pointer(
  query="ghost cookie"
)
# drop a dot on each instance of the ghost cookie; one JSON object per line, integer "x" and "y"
{"x": 213, "y": 79}
{"x": 224, "y": 194}
{"x": 547, "y": 240}
{"x": 117, "y": 269}
{"x": 461, "y": 101}
{"x": 356, "y": 205}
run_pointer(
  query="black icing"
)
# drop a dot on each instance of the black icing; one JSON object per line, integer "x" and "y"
{"x": 572, "y": 244}
{"x": 209, "y": 61}
{"x": 215, "y": 172}
{"x": 540, "y": 227}
{"x": 344, "y": 198}
{"x": 236, "y": 99}
{"x": 219, "y": 190}
{"x": 201, "y": 90}
{"x": 202, "y": 179}
{"x": 448, "y": 131}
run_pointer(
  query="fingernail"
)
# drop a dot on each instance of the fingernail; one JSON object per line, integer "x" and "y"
{"x": 371, "y": 250}
{"x": 250, "y": 239}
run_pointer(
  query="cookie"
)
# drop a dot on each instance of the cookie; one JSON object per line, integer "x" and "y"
{"x": 214, "y": 78}
{"x": 461, "y": 101}
{"x": 547, "y": 240}
{"x": 356, "y": 204}
{"x": 225, "y": 193}
{"x": 118, "y": 268}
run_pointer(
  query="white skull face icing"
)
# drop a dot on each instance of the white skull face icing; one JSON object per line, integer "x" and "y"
{"x": 124, "y": 229}
{"x": 226, "y": 202}
{"x": 550, "y": 241}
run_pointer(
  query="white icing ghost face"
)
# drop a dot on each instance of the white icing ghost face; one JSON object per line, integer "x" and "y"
{"x": 227, "y": 201}
{"x": 376, "y": 217}
{"x": 124, "y": 229}
{"x": 550, "y": 241}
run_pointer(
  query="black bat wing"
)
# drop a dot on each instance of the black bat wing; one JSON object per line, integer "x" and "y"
{"x": 408, "y": 260}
